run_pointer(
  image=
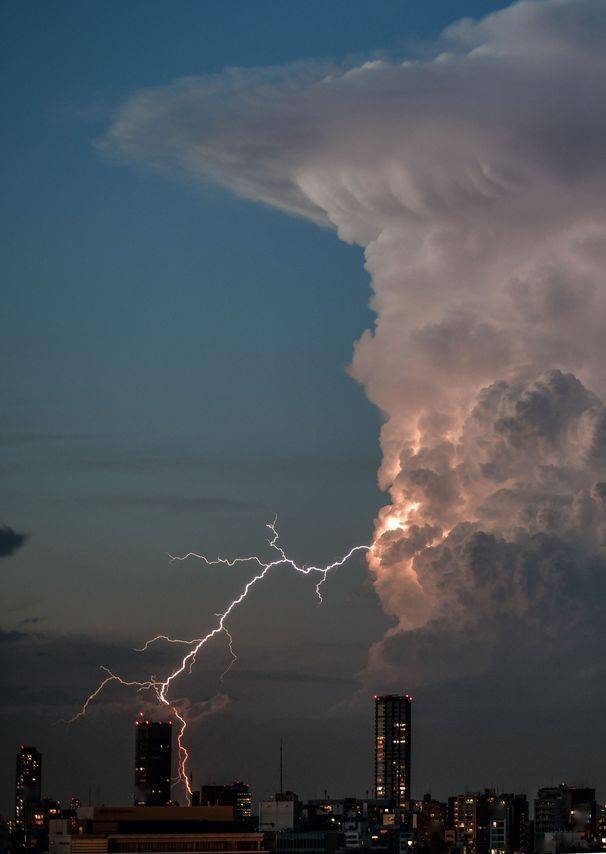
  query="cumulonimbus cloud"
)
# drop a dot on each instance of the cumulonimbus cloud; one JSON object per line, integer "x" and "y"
{"x": 475, "y": 181}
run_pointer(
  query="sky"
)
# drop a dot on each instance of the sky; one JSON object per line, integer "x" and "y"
{"x": 177, "y": 371}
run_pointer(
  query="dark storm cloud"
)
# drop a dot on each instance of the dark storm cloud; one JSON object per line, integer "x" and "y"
{"x": 10, "y": 541}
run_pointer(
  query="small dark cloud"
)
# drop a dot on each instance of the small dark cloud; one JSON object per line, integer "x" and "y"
{"x": 10, "y": 541}
{"x": 30, "y": 621}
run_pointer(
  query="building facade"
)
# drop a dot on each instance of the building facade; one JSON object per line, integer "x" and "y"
{"x": 468, "y": 817}
{"x": 28, "y": 791}
{"x": 482, "y": 822}
{"x": 509, "y": 824}
{"x": 429, "y": 821}
{"x": 236, "y": 795}
{"x": 393, "y": 742}
{"x": 154, "y": 830}
{"x": 283, "y": 813}
{"x": 564, "y": 815}
{"x": 153, "y": 762}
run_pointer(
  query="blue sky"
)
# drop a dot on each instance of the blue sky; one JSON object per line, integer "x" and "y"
{"x": 174, "y": 358}
{"x": 129, "y": 298}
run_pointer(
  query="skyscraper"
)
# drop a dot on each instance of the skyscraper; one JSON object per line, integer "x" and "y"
{"x": 393, "y": 736}
{"x": 153, "y": 762}
{"x": 28, "y": 789}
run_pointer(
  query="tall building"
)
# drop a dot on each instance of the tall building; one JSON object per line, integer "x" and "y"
{"x": 153, "y": 762}
{"x": 393, "y": 736}
{"x": 28, "y": 788}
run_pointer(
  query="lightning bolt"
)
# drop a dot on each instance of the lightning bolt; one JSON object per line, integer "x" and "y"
{"x": 234, "y": 657}
{"x": 162, "y": 688}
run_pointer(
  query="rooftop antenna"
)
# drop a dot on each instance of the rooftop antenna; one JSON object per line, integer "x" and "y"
{"x": 281, "y": 767}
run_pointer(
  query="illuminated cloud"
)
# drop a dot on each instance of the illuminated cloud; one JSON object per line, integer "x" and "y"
{"x": 475, "y": 182}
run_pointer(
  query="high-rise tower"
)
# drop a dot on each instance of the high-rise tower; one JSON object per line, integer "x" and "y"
{"x": 28, "y": 787}
{"x": 153, "y": 762}
{"x": 393, "y": 736}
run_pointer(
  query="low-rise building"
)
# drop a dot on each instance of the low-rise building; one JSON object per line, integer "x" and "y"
{"x": 283, "y": 813}
{"x": 563, "y": 810}
{"x": 153, "y": 830}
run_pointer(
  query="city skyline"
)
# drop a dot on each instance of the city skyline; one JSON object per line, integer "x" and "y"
{"x": 155, "y": 764}
{"x": 562, "y": 818}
